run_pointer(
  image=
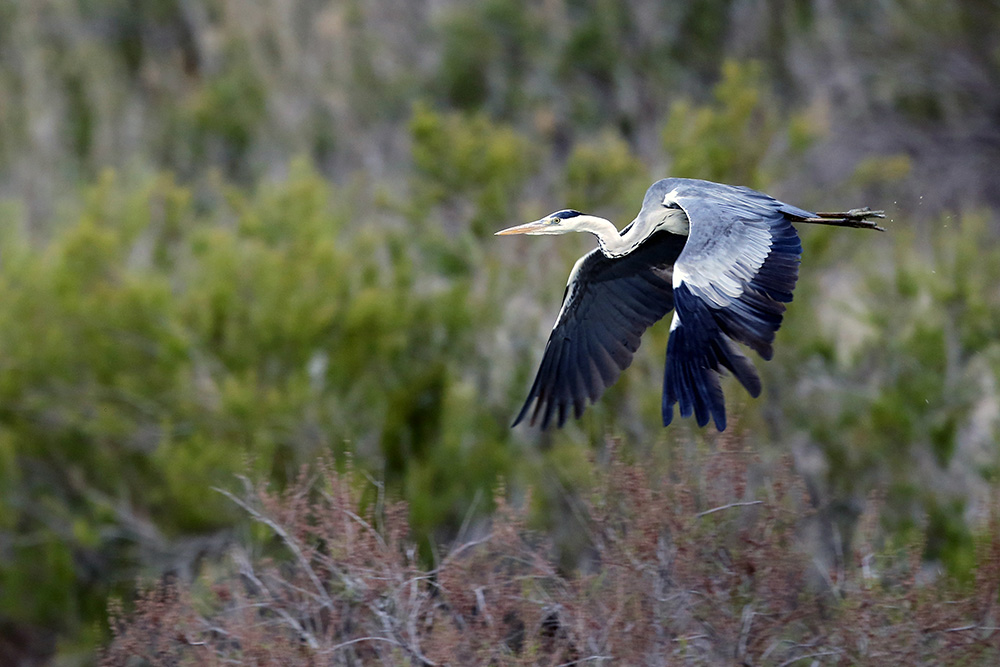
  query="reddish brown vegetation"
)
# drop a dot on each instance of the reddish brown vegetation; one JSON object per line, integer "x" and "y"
{"x": 696, "y": 566}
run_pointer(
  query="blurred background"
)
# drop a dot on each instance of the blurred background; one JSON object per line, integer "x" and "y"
{"x": 238, "y": 236}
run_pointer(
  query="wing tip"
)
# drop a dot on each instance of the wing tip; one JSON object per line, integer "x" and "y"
{"x": 667, "y": 411}
{"x": 547, "y": 409}
{"x": 696, "y": 353}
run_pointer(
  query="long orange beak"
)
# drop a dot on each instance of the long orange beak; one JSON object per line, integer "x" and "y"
{"x": 526, "y": 228}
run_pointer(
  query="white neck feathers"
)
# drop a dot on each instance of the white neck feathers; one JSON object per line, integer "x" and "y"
{"x": 615, "y": 244}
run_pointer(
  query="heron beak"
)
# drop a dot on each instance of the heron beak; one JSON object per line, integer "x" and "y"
{"x": 526, "y": 228}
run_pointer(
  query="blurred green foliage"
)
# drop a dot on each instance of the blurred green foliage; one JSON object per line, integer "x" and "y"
{"x": 458, "y": 157}
{"x": 485, "y": 51}
{"x": 604, "y": 173}
{"x": 597, "y": 34}
{"x": 152, "y": 348}
{"x": 727, "y": 140}
{"x": 228, "y": 110}
{"x": 180, "y": 301}
{"x": 897, "y": 394}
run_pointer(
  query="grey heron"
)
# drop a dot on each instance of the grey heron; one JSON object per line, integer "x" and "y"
{"x": 724, "y": 258}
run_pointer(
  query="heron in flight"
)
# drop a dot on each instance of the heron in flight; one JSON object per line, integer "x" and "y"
{"x": 724, "y": 258}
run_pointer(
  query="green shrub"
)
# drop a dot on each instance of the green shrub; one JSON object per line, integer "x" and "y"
{"x": 486, "y": 50}
{"x": 605, "y": 173}
{"x": 728, "y": 140}
{"x": 892, "y": 367}
{"x": 460, "y": 159}
{"x": 152, "y": 349}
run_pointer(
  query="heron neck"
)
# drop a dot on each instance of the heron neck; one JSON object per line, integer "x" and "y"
{"x": 611, "y": 241}
{"x": 616, "y": 244}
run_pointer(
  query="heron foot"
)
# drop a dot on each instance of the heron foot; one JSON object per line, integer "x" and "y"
{"x": 859, "y": 218}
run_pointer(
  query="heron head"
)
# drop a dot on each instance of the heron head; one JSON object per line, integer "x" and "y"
{"x": 559, "y": 222}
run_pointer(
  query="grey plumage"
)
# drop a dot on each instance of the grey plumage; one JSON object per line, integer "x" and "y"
{"x": 723, "y": 258}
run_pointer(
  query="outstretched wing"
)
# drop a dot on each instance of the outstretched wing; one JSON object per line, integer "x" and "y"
{"x": 607, "y": 305}
{"x": 731, "y": 282}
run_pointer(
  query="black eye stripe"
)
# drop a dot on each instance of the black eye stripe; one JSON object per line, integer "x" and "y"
{"x": 568, "y": 213}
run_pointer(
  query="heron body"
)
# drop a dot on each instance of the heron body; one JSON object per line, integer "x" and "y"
{"x": 723, "y": 258}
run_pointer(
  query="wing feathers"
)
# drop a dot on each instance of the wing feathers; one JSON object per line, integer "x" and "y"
{"x": 606, "y": 309}
{"x": 696, "y": 350}
{"x": 730, "y": 284}
{"x": 729, "y": 280}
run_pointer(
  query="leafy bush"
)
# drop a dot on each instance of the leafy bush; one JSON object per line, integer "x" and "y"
{"x": 893, "y": 374}
{"x": 486, "y": 50}
{"x": 729, "y": 140}
{"x": 603, "y": 173}
{"x": 467, "y": 159}
{"x": 159, "y": 343}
